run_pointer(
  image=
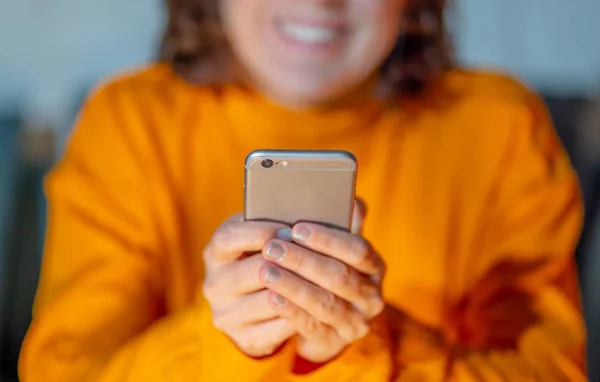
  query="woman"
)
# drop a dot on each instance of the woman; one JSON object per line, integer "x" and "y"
{"x": 472, "y": 207}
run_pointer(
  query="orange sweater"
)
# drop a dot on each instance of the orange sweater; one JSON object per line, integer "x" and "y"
{"x": 472, "y": 203}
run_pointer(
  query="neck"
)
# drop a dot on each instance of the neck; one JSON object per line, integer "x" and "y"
{"x": 355, "y": 98}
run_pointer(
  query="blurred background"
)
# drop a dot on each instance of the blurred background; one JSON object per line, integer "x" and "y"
{"x": 53, "y": 52}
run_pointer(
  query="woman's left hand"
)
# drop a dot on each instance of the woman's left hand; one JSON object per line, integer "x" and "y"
{"x": 327, "y": 282}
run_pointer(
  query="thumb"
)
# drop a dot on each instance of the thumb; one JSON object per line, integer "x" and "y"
{"x": 358, "y": 216}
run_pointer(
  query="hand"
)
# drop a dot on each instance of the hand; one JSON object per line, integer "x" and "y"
{"x": 239, "y": 302}
{"x": 327, "y": 283}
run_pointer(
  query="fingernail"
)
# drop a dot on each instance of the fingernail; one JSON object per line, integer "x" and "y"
{"x": 279, "y": 300}
{"x": 273, "y": 275}
{"x": 302, "y": 233}
{"x": 285, "y": 234}
{"x": 275, "y": 251}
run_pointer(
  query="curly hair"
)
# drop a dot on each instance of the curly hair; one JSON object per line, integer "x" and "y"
{"x": 196, "y": 47}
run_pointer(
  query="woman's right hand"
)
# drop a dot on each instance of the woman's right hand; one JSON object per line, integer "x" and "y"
{"x": 239, "y": 302}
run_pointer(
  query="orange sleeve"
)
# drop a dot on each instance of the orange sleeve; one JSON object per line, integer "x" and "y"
{"x": 99, "y": 314}
{"x": 520, "y": 318}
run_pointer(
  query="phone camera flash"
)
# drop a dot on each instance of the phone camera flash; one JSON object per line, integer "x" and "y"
{"x": 284, "y": 163}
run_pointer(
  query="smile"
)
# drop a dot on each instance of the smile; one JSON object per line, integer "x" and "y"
{"x": 310, "y": 33}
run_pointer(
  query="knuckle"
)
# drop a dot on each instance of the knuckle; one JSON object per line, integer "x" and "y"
{"x": 267, "y": 350}
{"x": 210, "y": 250}
{"x": 355, "y": 331}
{"x": 361, "y": 331}
{"x": 256, "y": 350}
{"x": 377, "y": 306}
{"x": 380, "y": 266}
{"x": 368, "y": 289}
{"x": 342, "y": 275}
{"x": 219, "y": 322}
{"x": 219, "y": 238}
{"x": 209, "y": 289}
{"x": 255, "y": 347}
{"x": 312, "y": 325}
{"x": 304, "y": 293}
{"x": 348, "y": 335}
{"x": 249, "y": 347}
{"x": 327, "y": 304}
{"x": 362, "y": 251}
{"x": 244, "y": 342}
{"x": 223, "y": 235}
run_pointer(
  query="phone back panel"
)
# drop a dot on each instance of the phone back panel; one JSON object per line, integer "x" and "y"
{"x": 315, "y": 186}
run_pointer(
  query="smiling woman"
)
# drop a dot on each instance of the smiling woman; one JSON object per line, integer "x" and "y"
{"x": 462, "y": 270}
{"x": 197, "y": 46}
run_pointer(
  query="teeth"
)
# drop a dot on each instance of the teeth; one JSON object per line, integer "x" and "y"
{"x": 309, "y": 34}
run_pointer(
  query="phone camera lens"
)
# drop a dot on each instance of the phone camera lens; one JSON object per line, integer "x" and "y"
{"x": 267, "y": 163}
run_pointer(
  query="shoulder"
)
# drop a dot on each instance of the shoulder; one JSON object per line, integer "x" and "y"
{"x": 496, "y": 105}
{"x": 487, "y": 84}
{"x": 147, "y": 101}
{"x": 496, "y": 118}
{"x": 483, "y": 103}
{"x": 155, "y": 84}
{"x": 138, "y": 112}
{"x": 492, "y": 90}
{"x": 126, "y": 120}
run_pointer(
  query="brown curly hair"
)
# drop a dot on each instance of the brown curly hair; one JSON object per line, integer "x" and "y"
{"x": 196, "y": 47}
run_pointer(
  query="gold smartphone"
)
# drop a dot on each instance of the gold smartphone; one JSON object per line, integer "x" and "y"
{"x": 290, "y": 186}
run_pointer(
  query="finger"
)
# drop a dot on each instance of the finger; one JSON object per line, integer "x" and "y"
{"x": 328, "y": 273}
{"x": 247, "y": 310}
{"x": 344, "y": 246}
{"x": 238, "y": 277}
{"x": 306, "y": 325}
{"x": 358, "y": 216}
{"x": 318, "y": 302}
{"x": 317, "y": 341}
{"x": 234, "y": 238}
{"x": 265, "y": 337}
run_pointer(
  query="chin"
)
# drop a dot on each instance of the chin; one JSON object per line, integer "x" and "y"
{"x": 302, "y": 95}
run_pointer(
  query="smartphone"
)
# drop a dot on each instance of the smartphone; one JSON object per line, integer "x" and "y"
{"x": 291, "y": 186}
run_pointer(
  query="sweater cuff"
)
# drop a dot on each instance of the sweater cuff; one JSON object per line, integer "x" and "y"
{"x": 218, "y": 353}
